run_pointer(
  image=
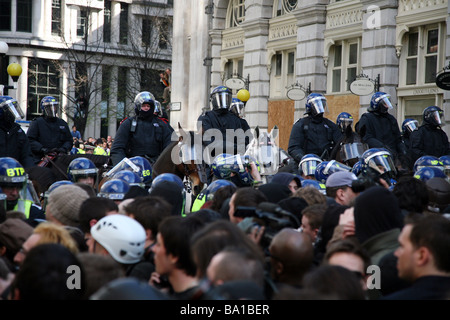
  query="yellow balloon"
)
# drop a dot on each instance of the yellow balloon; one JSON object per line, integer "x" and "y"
{"x": 243, "y": 95}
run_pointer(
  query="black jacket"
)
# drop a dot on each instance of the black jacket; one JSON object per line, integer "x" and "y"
{"x": 14, "y": 143}
{"x": 49, "y": 133}
{"x": 424, "y": 288}
{"x": 150, "y": 138}
{"x": 429, "y": 140}
{"x": 312, "y": 135}
{"x": 380, "y": 130}
{"x": 223, "y": 121}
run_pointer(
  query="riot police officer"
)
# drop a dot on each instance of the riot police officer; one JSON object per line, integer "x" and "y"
{"x": 408, "y": 126}
{"x": 142, "y": 135}
{"x": 13, "y": 140}
{"x": 222, "y": 119}
{"x": 379, "y": 129}
{"x": 313, "y": 134}
{"x": 49, "y": 133}
{"x": 430, "y": 139}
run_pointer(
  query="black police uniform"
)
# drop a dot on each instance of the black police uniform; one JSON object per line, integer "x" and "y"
{"x": 429, "y": 140}
{"x": 14, "y": 143}
{"x": 313, "y": 135}
{"x": 380, "y": 130}
{"x": 49, "y": 133}
{"x": 223, "y": 119}
{"x": 149, "y": 137}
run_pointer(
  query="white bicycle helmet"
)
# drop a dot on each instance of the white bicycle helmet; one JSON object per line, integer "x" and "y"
{"x": 122, "y": 236}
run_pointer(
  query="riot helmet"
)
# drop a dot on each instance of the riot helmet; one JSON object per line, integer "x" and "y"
{"x": 380, "y": 102}
{"x": 316, "y": 104}
{"x": 82, "y": 168}
{"x": 142, "y": 98}
{"x": 168, "y": 177}
{"x": 409, "y": 125}
{"x": 308, "y": 164}
{"x": 237, "y": 106}
{"x": 326, "y": 168}
{"x": 315, "y": 184}
{"x": 344, "y": 120}
{"x": 12, "y": 173}
{"x": 378, "y": 163}
{"x": 130, "y": 177}
{"x": 426, "y": 173}
{"x": 221, "y": 98}
{"x": 114, "y": 189}
{"x": 10, "y": 110}
{"x": 446, "y": 163}
{"x": 428, "y": 161}
{"x": 433, "y": 115}
{"x": 50, "y": 107}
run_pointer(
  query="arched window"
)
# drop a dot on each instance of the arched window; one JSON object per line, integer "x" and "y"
{"x": 284, "y": 6}
{"x": 236, "y": 13}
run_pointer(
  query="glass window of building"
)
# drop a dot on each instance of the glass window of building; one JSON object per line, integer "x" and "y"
{"x": 5, "y": 15}
{"x": 82, "y": 23}
{"x": 23, "y": 15}
{"x": 344, "y": 65}
{"x": 56, "y": 17}
{"x": 236, "y": 13}
{"x": 123, "y": 29}
{"x": 283, "y": 7}
{"x": 107, "y": 22}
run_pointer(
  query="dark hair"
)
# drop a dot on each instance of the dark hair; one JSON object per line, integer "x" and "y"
{"x": 315, "y": 214}
{"x": 348, "y": 246}
{"x": 149, "y": 211}
{"x": 412, "y": 194}
{"x": 248, "y": 197}
{"x": 94, "y": 209}
{"x": 336, "y": 282}
{"x": 433, "y": 232}
{"x": 220, "y": 196}
{"x": 44, "y": 274}
{"x": 176, "y": 232}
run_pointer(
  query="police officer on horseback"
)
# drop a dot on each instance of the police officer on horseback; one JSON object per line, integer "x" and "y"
{"x": 222, "y": 119}
{"x": 142, "y": 135}
{"x": 13, "y": 140}
{"x": 313, "y": 134}
{"x": 379, "y": 129}
{"x": 49, "y": 133}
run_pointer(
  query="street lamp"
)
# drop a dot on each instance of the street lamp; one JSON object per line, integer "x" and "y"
{"x": 14, "y": 70}
{"x": 3, "y": 50}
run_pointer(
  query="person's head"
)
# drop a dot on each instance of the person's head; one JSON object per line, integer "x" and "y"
{"x": 334, "y": 282}
{"x": 289, "y": 179}
{"x": 172, "y": 192}
{"x": 312, "y": 217}
{"x": 35, "y": 281}
{"x": 378, "y": 163}
{"x": 46, "y": 232}
{"x": 64, "y": 204}
{"x": 93, "y": 209}
{"x": 376, "y": 210}
{"x": 114, "y": 189}
{"x": 10, "y": 111}
{"x": 221, "y": 98}
{"x": 380, "y": 103}
{"x": 311, "y": 195}
{"x": 13, "y": 234}
{"x": 339, "y": 187}
{"x": 216, "y": 236}
{"x": 433, "y": 115}
{"x": 82, "y": 170}
{"x": 411, "y": 193}
{"x": 349, "y": 254}
{"x": 172, "y": 249}
{"x": 237, "y": 106}
{"x": 308, "y": 164}
{"x": 291, "y": 256}
{"x": 144, "y": 104}
{"x": 344, "y": 120}
{"x": 149, "y": 211}
{"x": 245, "y": 197}
{"x": 316, "y": 105}
{"x": 424, "y": 248}
{"x": 13, "y": 178}
{"x": 235, "y": 263}
{"x": 50, "y": 107}
{"x": 409, "y": 125}
{"x": 119, "y": 236}
{"x": 74, "y": 128}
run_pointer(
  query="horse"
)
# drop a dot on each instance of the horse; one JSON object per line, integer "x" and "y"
{"x": 350, "y": 149}
{"x": 264, "y": 148}
{"x": 184, "y": 158}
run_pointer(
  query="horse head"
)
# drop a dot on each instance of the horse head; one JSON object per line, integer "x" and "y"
{"x": 264, "y": 148}
{"x": 190, "y": 164}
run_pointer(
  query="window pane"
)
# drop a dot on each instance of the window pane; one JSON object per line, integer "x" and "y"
{"x": 241, "y": 67}
{"x": 81, "y": 23}
{"x": 123, "y": 30}
{"x": 337, "y": 56}
{"x": 24, "y": 15}
{"x": 411, "y": 70}
{"x": 351, "y": 75}
{"x": 278, "y": 64}
{"x": 336, "y": 81}
{"x": 413, "y": 41}
{"x": 5, "y": 15}
{"x": 107, "y": 22}
{"x": 353, "y": 54}
{"x": 432, "y": 44}
{"x": 430, "y": 69}
{"x": 56, "y": 17}
{"x": 291, "y": 62}
{"x": 146, "y": 31}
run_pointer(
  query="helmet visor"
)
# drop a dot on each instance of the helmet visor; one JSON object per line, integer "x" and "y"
{"x": 345, "y": 122}
{"x": 237, "y": 107}
{"x": 318, "y": 105}
{"x": 384, "y": 103}
{"x": 381, "y": 162}
{"x": 51, "y": 109}
{"x": 12, "y": 109}
{"x": 352, "y": 150}
{"x": 308, "y": 166}
{"x": 221, "y": 100}
{"x": 158, "y": 109}
{"x": 335, "y": 166}
{"x": 435, "y": 117}
{"x": 412, "y": 125}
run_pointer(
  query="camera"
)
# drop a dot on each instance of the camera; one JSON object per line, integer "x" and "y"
{"x": 271, "y": 216}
